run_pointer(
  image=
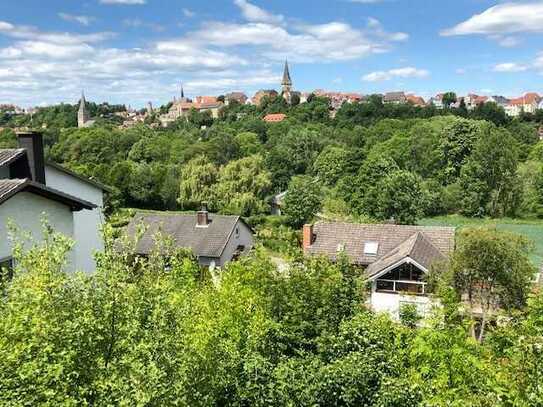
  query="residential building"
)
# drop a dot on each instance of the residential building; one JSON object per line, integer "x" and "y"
{"x": 183, "y": 106}
{"x": 395, "y": 258}
{"x": 395, "y": 98}
{"x": 258, "y": 96}
{"x": 238, "y": 97}
{"x": 528, "y": 103}
{"x": 214, "y": 239}
{"x": 416, "y": 100}
{"x": 31, "y": 188}
{"x": 274, "y": 117}
{"x": 337, "y": 99}
{"x": 436, "y": 101}
{"x": 499, "y": 100}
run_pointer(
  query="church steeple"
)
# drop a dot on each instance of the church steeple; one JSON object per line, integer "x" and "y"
{"x": 82, "y": 114}
{"x": 286, "y": 76}
{"x": 286, "y": 84}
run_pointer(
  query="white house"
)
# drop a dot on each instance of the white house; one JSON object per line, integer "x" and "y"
{"x": 214, "y": 239}
{"x": 395, "y": 258}
{"x": 31, "y": 188}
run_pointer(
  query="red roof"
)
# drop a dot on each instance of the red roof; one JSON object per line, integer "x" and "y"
{"x": 416, "y": 100}
{"x": 275, "y": 117}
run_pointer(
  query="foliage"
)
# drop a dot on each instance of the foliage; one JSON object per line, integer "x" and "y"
{"x": 493, "y": 270}
{"x": 157, "y": 331}
{"x": 302, "y": 201}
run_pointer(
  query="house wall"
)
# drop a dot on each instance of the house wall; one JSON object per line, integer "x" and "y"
{"x": 391, "y": 303}
{"x": 26, "y": 211}
{"x": 4, "y": 172}
{"x": 244, "y": 238}
{"x": 87, "y": 223}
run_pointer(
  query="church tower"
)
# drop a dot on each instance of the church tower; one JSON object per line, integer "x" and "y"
{"x": 82, "y": 114}
{"x": 286, "y": 83}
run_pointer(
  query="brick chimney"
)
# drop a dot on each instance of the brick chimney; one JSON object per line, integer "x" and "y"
{"x": 202, "y": 216}
{"x": 32, "y": 141}
{"x": 307, "y": 236}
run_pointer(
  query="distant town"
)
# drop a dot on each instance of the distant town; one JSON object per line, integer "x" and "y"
{"x": 181, "y": 106}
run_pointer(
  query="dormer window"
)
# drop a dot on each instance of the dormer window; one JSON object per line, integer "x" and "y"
{"x": 371, "y": 248}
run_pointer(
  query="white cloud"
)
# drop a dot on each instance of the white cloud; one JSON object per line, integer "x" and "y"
{"x": 43, "y": 66}
{"x": 83, "y": 20}
{"x": 32, "y": 33}
{"x": 256, "y": 14}
{"x": 507, "y": 42}
{"x": 510, "y": 67}
{"x": 188, "y": 13}
{"x": 507, "y": 18}
{"x": 124, "y": 2}
{"x": 138, "y": 23}
{"x": 407, "y": 72}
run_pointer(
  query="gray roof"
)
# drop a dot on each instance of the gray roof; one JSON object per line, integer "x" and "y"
{"x": 394, "y": 97}
{"x": 352, "y": 237}
{"x": 7, "y": 156}
{"x": 207, "y": 241}
{"x": 418, "y": 247}
{"x": 10, "y": 187}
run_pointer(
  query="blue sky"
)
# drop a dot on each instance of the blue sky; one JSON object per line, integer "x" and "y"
{"x": 134, "y": 51}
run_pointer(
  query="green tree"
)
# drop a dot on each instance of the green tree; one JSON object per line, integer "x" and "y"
{"x": 400, "y": 198}
{"x": 448, "y": 99}
{"x": 242, "y": 186}
{"x": 331, "y": 164}
{"x": 198, "y": 177}
{"x": 489, "y": 177}
{"x": 493, "y": 271}
{"x": 302, "y": 201}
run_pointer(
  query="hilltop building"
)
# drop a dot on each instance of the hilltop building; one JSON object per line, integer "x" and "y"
{"x": 83, "y": 116}
{"x": 181, "y": 107}
{"x": 286, "y": 84}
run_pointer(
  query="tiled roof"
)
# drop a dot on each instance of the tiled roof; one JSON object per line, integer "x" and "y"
{"x": 418, "y": 247}
{"x": 352, "y": 238}
{"x": 10, "y": 187}
{"x": 207, "y": 241}
{"x": 394, "y": 97}
{"x": 275, "y": 117}
{"x": 7, "y": 156}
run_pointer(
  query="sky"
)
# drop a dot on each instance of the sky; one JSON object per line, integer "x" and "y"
{"x": 136, "y": 51}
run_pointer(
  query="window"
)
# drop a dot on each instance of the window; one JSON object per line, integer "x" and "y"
{"x": 370, "y": 248}
{"x": 6, "y": 269}
{"x": 405, "y": 278}
{"x": 237, "y": 232}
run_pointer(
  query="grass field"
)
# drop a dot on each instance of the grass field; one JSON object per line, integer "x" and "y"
{"x": 531, "y": 228}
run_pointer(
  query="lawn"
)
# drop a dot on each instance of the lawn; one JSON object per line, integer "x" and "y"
{"x": 531, "y": 228}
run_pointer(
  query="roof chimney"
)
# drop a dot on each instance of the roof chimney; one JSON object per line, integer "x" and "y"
{"x": 32, "y": 141}
{"x": 202, "y": 216}
{"x": 307, "y": 237}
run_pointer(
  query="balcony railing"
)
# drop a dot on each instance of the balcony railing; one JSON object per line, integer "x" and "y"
{"x": 401, "y": 286}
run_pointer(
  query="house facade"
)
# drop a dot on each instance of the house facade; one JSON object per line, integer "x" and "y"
{"x": 395, "y": 258}
{"x": 31, "y": 188}
{"x": 214, "y": 239}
